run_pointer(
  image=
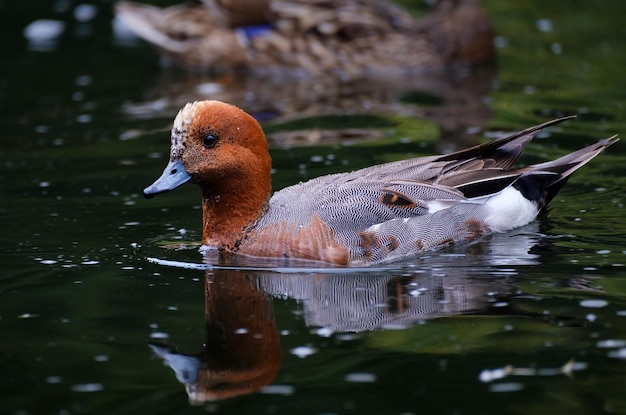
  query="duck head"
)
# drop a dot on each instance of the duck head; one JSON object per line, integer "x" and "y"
{"x": 223, "y": 150}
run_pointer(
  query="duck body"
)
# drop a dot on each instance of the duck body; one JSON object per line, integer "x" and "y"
{"x": 346, "y": 37}
{"x": 373, "y": 215}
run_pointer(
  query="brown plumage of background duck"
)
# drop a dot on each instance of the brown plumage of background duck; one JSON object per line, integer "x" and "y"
{"x": 348, "y": 38}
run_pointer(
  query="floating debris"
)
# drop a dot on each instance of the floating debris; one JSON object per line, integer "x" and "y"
{"x": 490, "y": 375}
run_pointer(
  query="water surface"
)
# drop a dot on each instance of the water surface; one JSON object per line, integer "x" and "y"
{"x": 528, "y": 322}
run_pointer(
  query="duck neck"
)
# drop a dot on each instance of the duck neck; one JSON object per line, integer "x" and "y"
{"x": 227, "y": 214}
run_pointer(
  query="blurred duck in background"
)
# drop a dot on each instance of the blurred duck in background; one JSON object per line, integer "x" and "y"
{"x": 347, "y": 38}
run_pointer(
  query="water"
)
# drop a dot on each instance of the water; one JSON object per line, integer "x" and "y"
{"x": 94, "y": 318}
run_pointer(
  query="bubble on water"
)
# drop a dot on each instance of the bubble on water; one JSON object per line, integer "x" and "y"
{"x": 303, "y": 351}
{"x": 278, "y": 390}
{"x": 54, "y": 379}
{"x": 595, "y": 303}
{"x": 324, "y": 332}
{"x": 611, "y": 343}
{"x": 361, "y": 377}
{"x": 506, "y": 387}
{"x": 488, "y": 375}
{"x": 84, "y": 118}
{"x": 544, "y": 25}
{"x": 603, "y": 251}
{"x": 42, "y": 34}
{"x": 619, "y": 353}
{"x": 101, "y": 358}
{"x": 78, "y": 96}
{"x": 85, "y": 12}
{"x": 159, "y": 335}
{"x": 346, "y": 337}
{"x": 83, "y": 80}
{"x": 87, "y": 387}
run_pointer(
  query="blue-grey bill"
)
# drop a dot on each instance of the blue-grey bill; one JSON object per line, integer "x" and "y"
{"x": 173, "y": 176}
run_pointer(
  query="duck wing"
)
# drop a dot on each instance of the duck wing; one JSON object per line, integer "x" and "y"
{"x": 391, "y": 210}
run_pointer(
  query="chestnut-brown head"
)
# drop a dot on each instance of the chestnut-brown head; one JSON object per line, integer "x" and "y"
{"x": 214, "y": 145}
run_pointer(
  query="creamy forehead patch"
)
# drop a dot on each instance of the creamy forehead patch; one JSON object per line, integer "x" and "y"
{"x": 180, "y": 128}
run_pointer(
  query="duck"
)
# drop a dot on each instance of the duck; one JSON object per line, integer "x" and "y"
{"x": 346, "y": 38}
{"x": 375, "y": 215}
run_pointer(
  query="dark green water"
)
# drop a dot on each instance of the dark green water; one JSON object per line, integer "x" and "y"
{"x": 84, "y": 314}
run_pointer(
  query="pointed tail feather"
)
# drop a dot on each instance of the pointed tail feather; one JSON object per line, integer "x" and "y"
{"x": 504, "y": 151}
{"x": 571, "y": 162}
{"x": 552, "y": 175}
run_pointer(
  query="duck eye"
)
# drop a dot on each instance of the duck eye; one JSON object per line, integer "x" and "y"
{"x": 209, "y": 141}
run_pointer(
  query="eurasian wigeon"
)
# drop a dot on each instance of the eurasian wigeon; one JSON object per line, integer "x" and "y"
{"x": 346, "y": 37}
{"x": 377, "y": 214}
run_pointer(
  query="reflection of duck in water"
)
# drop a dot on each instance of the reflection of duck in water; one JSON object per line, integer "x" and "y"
{"x": 242, "y": 352}
{"x": 346, "y": 37}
